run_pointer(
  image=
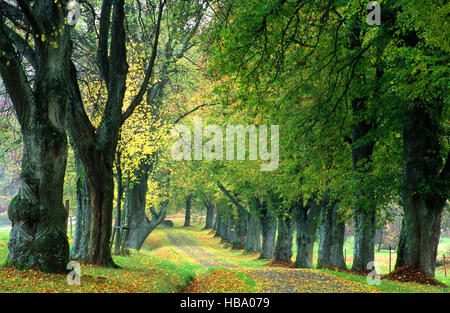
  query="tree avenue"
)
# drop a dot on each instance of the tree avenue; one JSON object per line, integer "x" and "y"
{"x": 335, "y": 126}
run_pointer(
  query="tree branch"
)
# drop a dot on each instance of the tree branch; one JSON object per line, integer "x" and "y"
{"x": 233, "y": 199}
{"x": 14, "y": 77}
{"x": 148, "y": 74}
{"x": 102, "y": 50}
{"x": 193, "y": 110}
{"x": 28, "y": 12}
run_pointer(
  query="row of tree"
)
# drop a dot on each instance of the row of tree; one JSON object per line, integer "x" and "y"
{"x": 363, "y": 114}
{"x": 86, "y": 81}
{"x": 364, "y": 123}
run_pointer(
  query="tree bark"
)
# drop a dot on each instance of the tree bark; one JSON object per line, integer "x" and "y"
{"x": 425, "y": 188}
{"x": 79, "y": 249}
{"x": 306, "y": 220}
{"x": 187, "y": 216}
{"x": 229, "y": 233}
{"x": 220, "y": 228}
{"x": 268, "y": 231}
{"x": 209, "y": 215}
{"x": 240, "y": 231}
{"x": 332, "y": 230}
{"x": 38, "y": 238}
{"x": 283, "y": 246}
{"x": 253, "y": 243}
{"x": 216, "y": 222}
{"x": 118, "y": 221}
{"x": 140, "y": 225}
{"x": 136, "y": 201}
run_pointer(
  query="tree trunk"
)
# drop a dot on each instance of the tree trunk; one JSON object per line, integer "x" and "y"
{"x": 140, "y": 225}
{"x": 136, "y": 199}
{"x": 229, "y": 232}
{"x": 253, "y": 243}
{"x": 240, "y": 232}
{"x": 379, "y": 237}
{"x": 283, "y": 247}
{"x": 220, "y": 228}
{"x": 364, "y": 211}
{"x": 364, "y": 244}
{"x": 38, "y": 238}
{"x": 332, "y": 230}
{"x": 422, "y": 207}
{"x": 268, "y": 230}
{"x": 209, "y": 215}
{"x": 118, "y": 221}
{"x": 79, "y": 249}
{"x": 216, "y": 222}
{"x": 99, "y": 251}
{"x": 306, "y": 220}
{"x": 187, "y": 216}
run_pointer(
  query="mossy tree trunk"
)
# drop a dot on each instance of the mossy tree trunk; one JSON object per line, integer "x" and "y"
{"x": 220, "y": 227}
{"x": 306, "y": 220}
{"x": 187, "y": 215}
{"x": 332, "y": 230}
{"x": 79, "y": 249}
{"x": 241, "y": 232}
{"x": 140, "y": 225}
{"x": 38, "y": 238}
{"x": 230, "y": 235}
{"x": 268, "y": 232}
{"x": 425, "y": 188}
{"x": 210, "y": 211}
{"x": 283, "y": 246}
{"x": 253, "y": 242}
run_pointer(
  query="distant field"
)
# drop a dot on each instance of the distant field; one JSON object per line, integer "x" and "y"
{"x": 4, "y": 221}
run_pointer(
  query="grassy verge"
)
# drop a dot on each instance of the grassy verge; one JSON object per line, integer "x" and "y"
{"x": 391, "y": 286}
{"x": 141, "y": 271}
{"x": 158, "y": 267}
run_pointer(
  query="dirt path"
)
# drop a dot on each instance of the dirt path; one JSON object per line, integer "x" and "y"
{"x": 191, "y": 248}
{"x": 271, "y": 279}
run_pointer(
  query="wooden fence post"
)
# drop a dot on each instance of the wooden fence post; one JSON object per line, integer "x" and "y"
{"x": 445, "y": 266}
{"x": 390, "y": 249}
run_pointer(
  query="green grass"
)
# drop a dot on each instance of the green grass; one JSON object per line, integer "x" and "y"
{"x": 141, "y": 271}
{"x": 391, "y": 286}
{"x": 4, "y": 235}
